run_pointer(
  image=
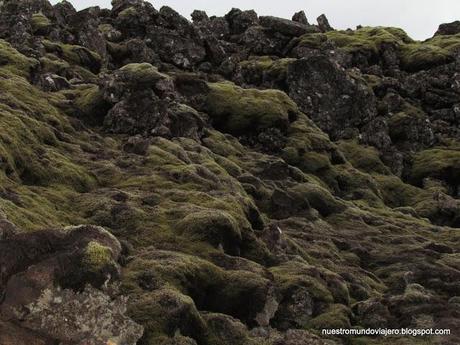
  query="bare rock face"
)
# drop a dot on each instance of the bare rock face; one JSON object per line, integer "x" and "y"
{"x": 338, "y": 103}
{"x": 35, "y": 266}
{"x": 87, "y": 317}
{"x": 284, "y": 26}
{"x": 448, "y": 29}
{"x": 323, "y": 23}
{"x": 239, "y": 21}
{"x": 300, "y": 17}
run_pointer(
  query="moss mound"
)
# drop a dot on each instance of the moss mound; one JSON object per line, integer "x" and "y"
{"x": 418, "y": 56}
{"x": 216, "y": 227}
{"x": 13, "y": 61}
{"x": 363, "y": 158}
{"x": 75, "y": 54}
{"x": 96, "y": 256}
{"x": 371, "y": 41}
{"x": 442, "y": 163}
{"x": 40, "y": 24}
{"x": 239, "y": 111}
{"x": 141, "y": 73}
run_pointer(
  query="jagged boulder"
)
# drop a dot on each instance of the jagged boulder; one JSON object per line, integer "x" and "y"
{"x": 449, "y": 28}
{"x": 142, "y": 105}
{"x": 323, "y": 23}
{"x": 34, "y": 269}
{"x": 285, "y": 26}
{"x": 176, "y": 40}
{"x": 300, "y": 17}
{"x": 239, "y": 21}
{"x": 338, "y": 103}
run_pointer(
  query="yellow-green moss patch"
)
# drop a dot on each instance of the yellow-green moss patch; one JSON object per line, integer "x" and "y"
{"x": 238, "y": 110}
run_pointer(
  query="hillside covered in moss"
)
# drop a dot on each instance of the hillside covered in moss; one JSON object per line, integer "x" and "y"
{"x": 236, "y": 180}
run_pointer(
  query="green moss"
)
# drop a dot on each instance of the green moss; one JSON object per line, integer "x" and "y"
{"x": 105, "y": 28}
{"x": 238, "y": 110}
{"x": 364, "y": 158}
{"x": 450, "y": 43}
{"x": 75, "y": 54}
{"x": 336, "y": 316}
{"x": 371, "y": 40}
{"x": 90, "y": 103}
{"x": 442, "y": 163}
{"x": 238, "y": 293}
{"x": 13, "y": 61}
{"x": 143, "y": 73}
{"x": 395, "y": 192}
{"x": 367, "y": 39}
{"x": 213, "y": 226}
{"x": 418, "y": 56}
{"x": 164, "y": 312}
{"x": 415, "y": 293}
{"x": 307, "y": 146}
{"x": 128, "y": 12}
{"x": 40, "y": 158}
{"x": 52, "y": 64}
{"x": 319, "y": 198}
{"x": 313, "y": 41}
{"x": 96, "y": 256}
{"x": 317, "y": 281}
{"x": 314, "y": 162}
{"x": 372, "y": 80}
{"x": 399, "y": 122}
{"x": 40, "y": 207}
{"x": 399, "y": 33}
{"x": 40, "y": 23}
{"x": 259, "y": 68}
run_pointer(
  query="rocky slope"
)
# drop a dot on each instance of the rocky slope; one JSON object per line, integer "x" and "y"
{"x": 236, "y": 180}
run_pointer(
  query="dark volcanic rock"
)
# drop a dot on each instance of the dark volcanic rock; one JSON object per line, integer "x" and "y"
{"x": 284, "y": 26}
{"x": 300, "y": 17}
{"x": 240, "y": 21}
{"x": 449, "y": 28}
{"x": 339, "y": 104}
{"x": 35, "y": 266}
{"x": 323, "y": 23}
{"x": 140, "y": 95}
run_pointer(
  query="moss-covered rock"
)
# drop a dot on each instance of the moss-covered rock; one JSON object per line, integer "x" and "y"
{"x": 166, "y": 312}
{"x": 216, "y": 227}
{"x": 227, "y": 330}
{"x": 418, "y": 56}
{"x": 319, "y": 198}
{"x": 336, "y": 316}
{"x": 323, "y": 286}
{"x": 13, "y": 61}
{"x": 140, "y": 73}
{"x": 240, "y": 293}
{"x": 372, "y": 41}
{"x": 450, "y": 43}
{"x": 40, "y": 24}
{"x": 96, "y": 256}
{"x": 237, "y": 111}
{"x": 363, "y": 158}
{"x": 366, "y": 40}
{"x": 264, "y": 70}
{"x": 90, "y": 103}
{"x": 442, "y": 163}
{"x": 75, "y": 54}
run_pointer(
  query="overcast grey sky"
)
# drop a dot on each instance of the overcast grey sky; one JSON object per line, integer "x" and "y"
{"x": 420, "y": 18}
